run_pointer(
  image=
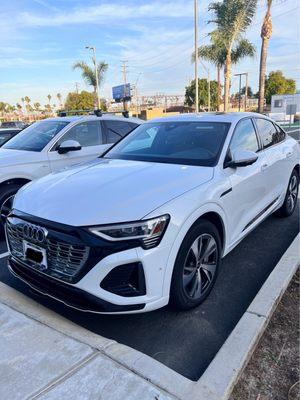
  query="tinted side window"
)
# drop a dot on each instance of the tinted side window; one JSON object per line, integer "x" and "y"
{"x": 244, "y": 137}
{"x": 269, "y": 133}
{"x": 86, "y": 133}
{"x": 118, "y": 129}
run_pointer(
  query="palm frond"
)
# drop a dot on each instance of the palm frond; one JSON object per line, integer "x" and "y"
{"x": 88, "y": 73}
{"x": 242, "y": 49}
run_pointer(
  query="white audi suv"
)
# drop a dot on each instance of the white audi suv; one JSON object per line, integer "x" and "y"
{"x": 148, "y": 222}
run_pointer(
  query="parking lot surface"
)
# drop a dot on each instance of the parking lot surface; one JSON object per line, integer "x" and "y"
{"x": 188, "y": 341}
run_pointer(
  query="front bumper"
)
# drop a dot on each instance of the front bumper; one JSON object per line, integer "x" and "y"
{"x": 67, "y": 294}
{"x": 89, "y": 289}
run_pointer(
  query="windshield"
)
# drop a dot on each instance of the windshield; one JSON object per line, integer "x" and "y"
{"x": 189, "y": 143}
{"x": 36, "y": 136}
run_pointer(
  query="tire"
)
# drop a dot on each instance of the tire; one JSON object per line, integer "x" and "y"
{"x": 193, "y": 280}
{"x": 5, "y": 193}
{"x": 290, "y": 201}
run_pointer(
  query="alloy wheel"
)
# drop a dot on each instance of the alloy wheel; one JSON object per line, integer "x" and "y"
{"x": 292, "y": 193}
{"x": 200, "y": 266}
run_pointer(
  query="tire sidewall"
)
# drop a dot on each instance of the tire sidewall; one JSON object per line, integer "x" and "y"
{"x": 288, "y": 212}
{"x": 178, "y": 297}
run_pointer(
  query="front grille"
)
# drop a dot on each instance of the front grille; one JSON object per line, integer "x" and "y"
{"x": 64, "y": 260}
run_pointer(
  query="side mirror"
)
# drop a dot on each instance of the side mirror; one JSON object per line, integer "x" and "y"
{"x": 241, "y": 158}
{"x": 68, "y": 145}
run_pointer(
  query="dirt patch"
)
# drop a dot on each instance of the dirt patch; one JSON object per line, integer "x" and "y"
{"x": 273, "y": 371}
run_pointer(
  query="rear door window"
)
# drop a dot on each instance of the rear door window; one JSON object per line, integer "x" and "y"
{"x": 270, "y": 134}
{"x": 115, "y": 130}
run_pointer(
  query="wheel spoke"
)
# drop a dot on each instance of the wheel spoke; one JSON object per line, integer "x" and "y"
{"x": 208, "y": 249}
{"x": 196, "y": 247}
{"x": 187, "y": 278}
{"x": 196, "y": 285}
{"x": 209, "y": 269}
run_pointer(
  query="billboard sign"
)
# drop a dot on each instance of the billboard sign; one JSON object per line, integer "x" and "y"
{"x": 121, "y": 92}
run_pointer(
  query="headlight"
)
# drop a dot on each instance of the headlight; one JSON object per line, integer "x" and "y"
{"x": 150, "y": 231}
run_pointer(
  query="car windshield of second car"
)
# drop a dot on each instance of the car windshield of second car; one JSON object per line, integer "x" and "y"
{"x": 36, "y": 136}
{"x": 187, "y": 143}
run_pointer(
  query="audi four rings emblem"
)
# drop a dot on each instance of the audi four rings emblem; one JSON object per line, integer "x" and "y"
{"x": 35, "y": 233}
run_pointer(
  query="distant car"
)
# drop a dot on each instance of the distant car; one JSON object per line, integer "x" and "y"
{"x": 6, "y": 134}
{"x": 52, "y": 144}
{"x": 149, "y": 221}
{"x": 13, "y": 125}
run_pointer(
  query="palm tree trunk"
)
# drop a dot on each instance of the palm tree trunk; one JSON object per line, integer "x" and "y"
{"x": 227, "y": 73}
{"x": 262, "y": 74}
{"x": 219, "y": 88}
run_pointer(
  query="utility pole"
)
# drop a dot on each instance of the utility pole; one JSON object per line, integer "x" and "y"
{"x": 208, "y": 85}
{"x": 246, "y": 92}
{"x": 124, "y": 73}
{"x": 196, "y": 57}
{"x": 240, "y": 87}
{"x": 93, "y": 48}
{"x": 77, "y": 87}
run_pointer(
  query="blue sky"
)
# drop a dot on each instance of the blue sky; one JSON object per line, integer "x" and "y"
{"x": 41, "y": 39}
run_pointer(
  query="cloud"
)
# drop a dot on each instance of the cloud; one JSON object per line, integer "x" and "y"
{"x": 110, "y": 12}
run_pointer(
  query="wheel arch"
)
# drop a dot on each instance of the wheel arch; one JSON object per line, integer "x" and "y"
{"x": 211, "y": 212}
{"x": 14, "y": 181}
{"x": 297, "y": 169}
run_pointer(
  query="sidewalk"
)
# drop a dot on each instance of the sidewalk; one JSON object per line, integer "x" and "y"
{"x": 38, "y": 362}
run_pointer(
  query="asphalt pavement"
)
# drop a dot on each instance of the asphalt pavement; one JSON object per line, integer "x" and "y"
{"x": 188, "y": 341}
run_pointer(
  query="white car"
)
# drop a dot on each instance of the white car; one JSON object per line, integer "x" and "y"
{"x": 148, "y": 223}
{"x": 55, "y": 143}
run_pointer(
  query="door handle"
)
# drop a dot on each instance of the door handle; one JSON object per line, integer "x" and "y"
{"x": 264, "y": 167}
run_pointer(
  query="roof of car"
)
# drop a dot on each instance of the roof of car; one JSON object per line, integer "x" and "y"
{"x": 73, "y": 118}
{"x": 208, "y": 117}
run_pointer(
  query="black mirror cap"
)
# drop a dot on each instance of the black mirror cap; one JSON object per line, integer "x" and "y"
{"x": 64, "y": 150}
{"x": 236, "y": 164}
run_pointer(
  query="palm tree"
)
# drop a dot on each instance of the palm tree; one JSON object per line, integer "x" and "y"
{"x": 27, "y": 101}
{"x": 232, "y": 18}
{"x": 49, "y": 98}
{"x": 216, "y": 54}
{"x": 59, "y": 99}
{"x": 266, "y": 33}
{"x": 89, "y": 76}
{"x": 37, "y": 106}
{"x": 23, "y": 102}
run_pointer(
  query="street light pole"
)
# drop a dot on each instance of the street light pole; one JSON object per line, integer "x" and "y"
{"x": 93, "y": 48}
{"x": 196, "y": 57}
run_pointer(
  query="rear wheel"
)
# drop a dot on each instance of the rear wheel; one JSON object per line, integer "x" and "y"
{"x": 196, "y": 266}
{"x": 290, "y": 200}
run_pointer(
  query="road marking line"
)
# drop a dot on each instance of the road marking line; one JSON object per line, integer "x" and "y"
{"x": 295, "y": 130}
{"x": 4, "y": 255}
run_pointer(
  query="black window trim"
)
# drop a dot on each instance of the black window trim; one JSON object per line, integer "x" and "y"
{"x": 260, "y": 136}
{"x": 260, "y": 148}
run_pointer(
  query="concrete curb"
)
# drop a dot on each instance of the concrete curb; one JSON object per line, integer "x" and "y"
{"x": 221, "y": 375}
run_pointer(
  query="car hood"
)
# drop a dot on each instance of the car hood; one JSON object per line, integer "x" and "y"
{"x": 13, "y": 157}
{"x": 108, "y": 191}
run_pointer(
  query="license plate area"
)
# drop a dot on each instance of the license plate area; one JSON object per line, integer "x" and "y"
{"x": 35, "y": 255}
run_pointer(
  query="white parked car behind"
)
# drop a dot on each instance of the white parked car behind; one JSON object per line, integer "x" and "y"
{"x": 55, "y": 143}
{"x": 149, "y": 222}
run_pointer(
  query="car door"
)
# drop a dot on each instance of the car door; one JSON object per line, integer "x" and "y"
{"x": 277, "y": 171}
{"x": 247, "y": 197}
{"x": 89, "y": 135}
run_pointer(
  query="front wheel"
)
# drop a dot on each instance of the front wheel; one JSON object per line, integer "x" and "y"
{"x": 196, "y": 266}
{"x": 290, "y": 200}
{"x": 6, "y": 195}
